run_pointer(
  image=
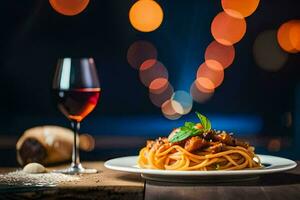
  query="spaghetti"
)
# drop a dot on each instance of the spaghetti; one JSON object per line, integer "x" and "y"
{"x": 213, "y": 150}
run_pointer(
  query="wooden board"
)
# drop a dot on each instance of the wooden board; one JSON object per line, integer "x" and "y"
{"x": 106, "y": 184}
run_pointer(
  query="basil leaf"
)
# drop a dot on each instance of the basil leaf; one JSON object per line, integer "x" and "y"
{"x": 182, "y": 135}
{"x": 208, "y": 125}
{"x": 189, "y": 129}
{"x": 204, "y": 121}
{"x": 179, "y": 136}
{"x": 189, "y": 124}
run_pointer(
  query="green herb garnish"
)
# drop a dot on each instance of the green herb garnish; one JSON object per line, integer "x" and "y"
{"x": 204, "y": 121}
{"x": 191, "y": 129}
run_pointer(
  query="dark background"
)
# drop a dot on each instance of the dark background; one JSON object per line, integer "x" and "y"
{"x": 251, "y": 101}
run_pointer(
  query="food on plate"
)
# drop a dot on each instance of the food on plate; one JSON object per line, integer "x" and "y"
{"x": 196, "y": 146}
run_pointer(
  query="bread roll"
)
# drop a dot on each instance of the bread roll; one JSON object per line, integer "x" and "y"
{"x": 48, "y": 145}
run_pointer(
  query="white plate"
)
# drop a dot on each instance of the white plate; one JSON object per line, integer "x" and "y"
{"x": 272, "y": 164}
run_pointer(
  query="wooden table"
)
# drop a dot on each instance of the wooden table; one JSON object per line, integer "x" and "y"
{"x": 281, "y": 186}
{"x": 117, "y": 185}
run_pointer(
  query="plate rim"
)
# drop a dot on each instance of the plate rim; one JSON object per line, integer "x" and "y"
{"x": 131, "y": 169}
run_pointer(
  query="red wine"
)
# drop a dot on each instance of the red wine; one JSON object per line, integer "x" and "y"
{"x": 76, "y": 104}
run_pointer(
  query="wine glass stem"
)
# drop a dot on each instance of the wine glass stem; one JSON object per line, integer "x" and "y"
{"x": 75, "y": 155}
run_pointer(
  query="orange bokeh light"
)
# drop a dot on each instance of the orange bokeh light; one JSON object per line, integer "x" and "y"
{"x": 199, "y": 93}
{"x": 288, "y": 36}
{"x": 205, "y": 85}
{"x": 158, "y": 85}
{"x": 88, "y": 143}
{"x": 168, "y": 110}
{"x": 159, "y": 98}
{"x": 295, "y": 35}
{"x": 69, "y": 7}
{"x": 146, "y": 15}
{"x": 228, "y": 30}
{"x": 210, "y": 74}
{"x": 139, "y": 52}
{"x": 274, "y": 145}
{"x": 240, "y": 8}
{"x": 220, "y": 53}
{"x": 152, "y": 69}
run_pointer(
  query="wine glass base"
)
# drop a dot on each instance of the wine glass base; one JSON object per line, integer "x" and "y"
{"x": 76, "y": 169}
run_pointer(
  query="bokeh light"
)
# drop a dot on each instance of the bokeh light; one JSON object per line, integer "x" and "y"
{"x": 228, "y": 30}
{"x": 287, "y": 119}
{"x": 220, "y": 53}
{"x": 267, "y": 53}
{"x": 288, "y": 36}
{"x": 205, "y": 85}
{"x": 152, "y": 69}
{"x": 200, "y": 94}
{"x": 210, "y": 74}
{"x": 168, "y": 110}
{"x": 139, "y": 52}
{"x": 69, "y": 7}
{"x": 182, "y": 102}
{"x": 274, "y": 145}
{"x": 239, "y": 8}
{"x": 87, "y": 142}
{"x": 295, "y": 35}
{"x": 146, "y": 15}
{"x": 158, "y": 85}
{"x": 159, "y": 98}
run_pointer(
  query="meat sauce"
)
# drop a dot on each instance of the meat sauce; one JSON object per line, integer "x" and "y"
{"x": 211, "y": 141}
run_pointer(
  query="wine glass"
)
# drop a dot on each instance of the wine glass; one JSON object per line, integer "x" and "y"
{"x": 76, "y": 89}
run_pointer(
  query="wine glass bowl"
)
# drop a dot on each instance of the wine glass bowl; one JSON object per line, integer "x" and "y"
{"x": 76, "y": 104}
{"x": 76, "y": 89}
